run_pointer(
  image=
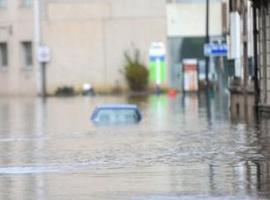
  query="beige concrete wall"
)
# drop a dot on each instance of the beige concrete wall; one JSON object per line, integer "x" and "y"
{"x": 76, "y": 53}
{"x": 187, "y": 19}
{"x": 136, "y": 34}
{"x": 238, "y": 110}
{"x": 106, "y": 30}
{"x": 15, "y": 79}
{"x": 264, "y": 54}
{"x": 87, "y": 39}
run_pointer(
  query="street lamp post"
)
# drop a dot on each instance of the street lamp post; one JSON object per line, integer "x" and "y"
{"x": 207, "y": 42}
{"x": 255, "y": 44}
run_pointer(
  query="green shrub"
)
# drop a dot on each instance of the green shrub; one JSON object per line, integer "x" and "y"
{"x": 136, "y": 73}
{"x": 65, "y": 91}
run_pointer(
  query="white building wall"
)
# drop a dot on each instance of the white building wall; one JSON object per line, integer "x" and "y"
{"x": 187, "y": 19}
{"x": 15, "y": 79}
{"x": 87, "y": 39}
{"x": 105, "y": 29}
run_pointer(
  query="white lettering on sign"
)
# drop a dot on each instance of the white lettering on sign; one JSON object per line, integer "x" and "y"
{"x": 215, "y": 49}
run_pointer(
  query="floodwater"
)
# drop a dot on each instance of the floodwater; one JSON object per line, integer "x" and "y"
{"x": 186, "y": 147}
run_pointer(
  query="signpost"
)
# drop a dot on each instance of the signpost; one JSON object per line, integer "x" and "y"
{"x": 43, "y": 57}
{"x": 157, "y": 63}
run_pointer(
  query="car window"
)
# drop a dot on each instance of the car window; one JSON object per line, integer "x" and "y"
{"x": 117, "y": 116}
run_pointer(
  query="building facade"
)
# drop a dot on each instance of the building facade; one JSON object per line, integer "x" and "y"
{"x": 259, "y": 20}
{"x": 262, "y": 48}
{"x": 86, "y": 38}
{"x": 186, "y": 22}
{"x": 242, "y": 58}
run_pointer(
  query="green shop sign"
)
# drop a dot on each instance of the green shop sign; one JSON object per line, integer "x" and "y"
{"x": 157, "y": 62}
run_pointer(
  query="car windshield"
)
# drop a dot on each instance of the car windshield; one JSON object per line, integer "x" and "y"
{"x": 116, "y": 116}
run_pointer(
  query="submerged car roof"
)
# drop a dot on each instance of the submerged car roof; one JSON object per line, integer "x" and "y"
{"x": 127, "y": 106}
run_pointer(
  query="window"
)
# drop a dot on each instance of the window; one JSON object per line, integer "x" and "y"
{"x": 26, "y": 3}
{"x": 27, "y": 54}
{"x": 3, "y": 3}
{"x": 3, "y": 55}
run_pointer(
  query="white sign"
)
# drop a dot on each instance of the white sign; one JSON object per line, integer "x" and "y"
{"x": 190, "y": 69}
{"x": 157, "y": 49}
{"x": 44, "y": 54}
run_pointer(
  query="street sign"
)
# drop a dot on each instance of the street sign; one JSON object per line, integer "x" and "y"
{"x": 157, "y": 63}
{"x": 43, "y": 54}
{"x": 213, "y": 49}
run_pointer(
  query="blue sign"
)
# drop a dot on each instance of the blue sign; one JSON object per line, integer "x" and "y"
{"x": 155, "y": 58}
{"x": 215, "y": 49}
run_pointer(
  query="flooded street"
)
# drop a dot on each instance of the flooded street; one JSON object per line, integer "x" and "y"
{"x": 184, "y": 148}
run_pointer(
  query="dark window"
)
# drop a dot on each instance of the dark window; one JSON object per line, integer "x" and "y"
{"x": 27, "y": 54}
{"x": 3, "y": 54}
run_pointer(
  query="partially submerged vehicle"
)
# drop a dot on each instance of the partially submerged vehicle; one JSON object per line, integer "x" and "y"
{"x": 116, "y": 114}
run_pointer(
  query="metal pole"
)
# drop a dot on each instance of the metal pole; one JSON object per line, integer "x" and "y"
{"x": 207, "y": 42}
{"x": 43, "y": 79}
{"x": 245, "y": 56}
{"x": 255, "y": 43}
{"x": 41, "y": 67}
{"x": 245, "y": 44}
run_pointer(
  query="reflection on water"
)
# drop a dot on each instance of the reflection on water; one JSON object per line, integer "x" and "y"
{"x": 185, "y": 148}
